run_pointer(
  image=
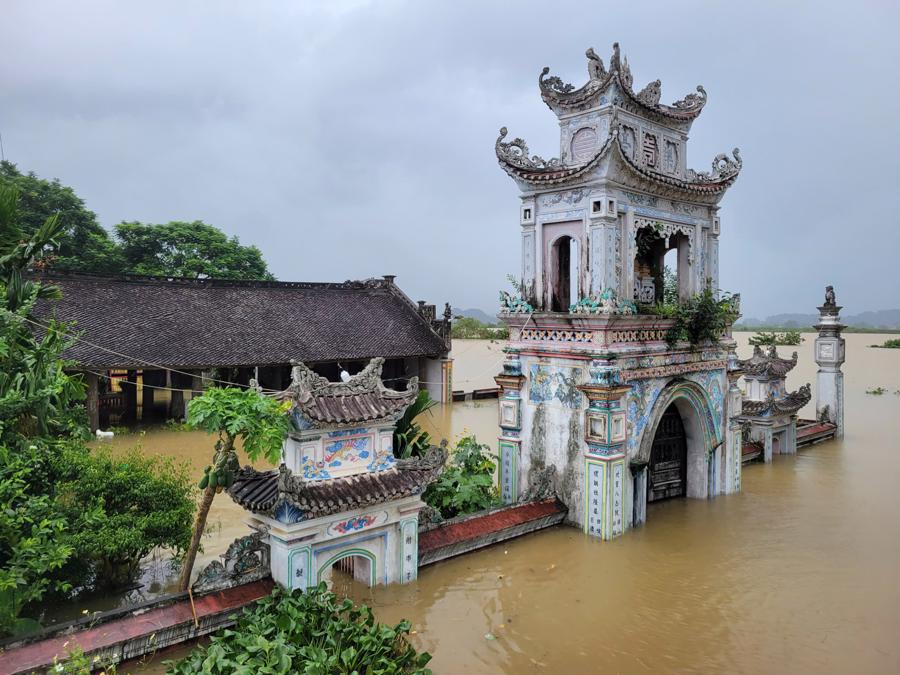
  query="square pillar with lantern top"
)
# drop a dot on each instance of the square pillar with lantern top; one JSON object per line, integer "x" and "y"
{"x": 605, "y": 433}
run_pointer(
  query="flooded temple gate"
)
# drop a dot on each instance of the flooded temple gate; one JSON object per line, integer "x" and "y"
{"x": 595, "y": 390}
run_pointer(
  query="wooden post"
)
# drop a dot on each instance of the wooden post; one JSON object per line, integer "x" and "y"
{"x": 130, "y": 388}
{"x": 93, "y": 401}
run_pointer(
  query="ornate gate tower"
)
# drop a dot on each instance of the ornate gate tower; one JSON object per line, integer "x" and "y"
{"x": 591, "y": 388}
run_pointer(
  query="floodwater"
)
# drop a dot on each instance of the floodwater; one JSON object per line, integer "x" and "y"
{"x": 799, "y": 573}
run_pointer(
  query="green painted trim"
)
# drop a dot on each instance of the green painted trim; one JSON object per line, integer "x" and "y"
{"x": 347, "y": 554}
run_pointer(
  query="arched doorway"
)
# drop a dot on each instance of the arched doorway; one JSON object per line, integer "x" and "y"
{"x": 347, "y": 567}
{"x": 667, "y": 469}
{"x": 564, "y": 274}
{"x": 690, "y": 440}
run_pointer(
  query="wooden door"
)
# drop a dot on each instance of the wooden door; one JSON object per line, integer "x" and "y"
{"x": 667, "y": 473}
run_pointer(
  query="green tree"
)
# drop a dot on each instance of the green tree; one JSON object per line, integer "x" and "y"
{"x": 83, "y": 245}
{"x": 68, "y": 517}
{"x": 34, "y": 392}
{"x": 260, "y": 422}
{"x": 670, "y": 286}
{"x": 191, "y": 250}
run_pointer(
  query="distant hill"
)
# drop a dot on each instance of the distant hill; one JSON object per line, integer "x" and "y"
{"x": 888, "y": 319}
{"x": 476, "y": 314}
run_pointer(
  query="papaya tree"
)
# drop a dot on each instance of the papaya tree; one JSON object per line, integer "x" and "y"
{"x": 233, "y": 414}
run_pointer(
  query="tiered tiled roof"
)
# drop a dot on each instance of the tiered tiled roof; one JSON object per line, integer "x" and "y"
{"x": 269, "y": 492}
{"x": 537, "y": 172}
{"x": 361, "y": 399}
{"x": 786, "y": 405}
{"x": 204, "y": 323}
{"x": 564, "y": 98}
{"x": 767, "y": 364}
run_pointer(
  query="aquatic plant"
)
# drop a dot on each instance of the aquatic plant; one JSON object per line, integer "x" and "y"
{"x": 889, "y": 344}
{"x": 876, "y": 391}
{"x": 311, "y": 632}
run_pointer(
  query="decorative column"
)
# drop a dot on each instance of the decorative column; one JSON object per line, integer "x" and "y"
{"x": 734, "y": 402}
{"x": 603, "y": 231}
{"x": 510, "y": 382}
{"x": 829, "y": 357}
{"x": 605, "y": 432}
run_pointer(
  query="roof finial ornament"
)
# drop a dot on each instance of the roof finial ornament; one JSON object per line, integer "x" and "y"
{"x": 596, "y": 71}
{"x": 650, "y": 94}
{"x": 614, "y": 63}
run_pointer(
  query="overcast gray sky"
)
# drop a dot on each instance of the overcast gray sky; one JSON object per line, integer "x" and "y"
{"x": 353, "y": 139}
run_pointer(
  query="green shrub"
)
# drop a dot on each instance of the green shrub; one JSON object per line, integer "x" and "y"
{"x": 890, "y": 344}
{"x": 467, "y": 484}
{"x": 702, "y": 319}
{"x": 119, "y": 509}
{"x": 311, "y": 633}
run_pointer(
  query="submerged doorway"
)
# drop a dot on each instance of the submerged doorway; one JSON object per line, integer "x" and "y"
{"x": 667, "y": 471}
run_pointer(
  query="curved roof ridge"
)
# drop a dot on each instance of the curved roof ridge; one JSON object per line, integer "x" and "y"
{"x": 767, "y": 364}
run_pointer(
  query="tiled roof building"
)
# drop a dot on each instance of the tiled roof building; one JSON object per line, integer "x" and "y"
{"x": 134, "y": 328}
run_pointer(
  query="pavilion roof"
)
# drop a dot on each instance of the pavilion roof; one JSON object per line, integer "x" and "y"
{"x": 270, "y": 491}
{"x": 536, "y": 172}
{"x": 786, "y": 405}
{"x": 132, "y": 321}
{"x": 361, "y": 399}
{"x": 767, "y": 364}
{"x": 564, "y": 98}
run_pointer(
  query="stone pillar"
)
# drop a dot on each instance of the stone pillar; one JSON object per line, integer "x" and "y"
{"x": 510, "y": 442}
{"x": 605, "y": 433}
{"x": 830, "y": 357}
{"x": 603, "y": 232}
{"x": 734, "y": 401}
{"x": 92, "y": 402}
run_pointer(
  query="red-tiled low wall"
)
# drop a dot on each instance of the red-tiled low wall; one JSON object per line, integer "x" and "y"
{"x": 138, "y": 633}
{"x": 810, "y": 432}
{"x": 469, "y": 533}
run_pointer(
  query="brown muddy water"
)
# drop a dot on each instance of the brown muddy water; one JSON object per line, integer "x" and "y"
{"x": 799, "y": 573}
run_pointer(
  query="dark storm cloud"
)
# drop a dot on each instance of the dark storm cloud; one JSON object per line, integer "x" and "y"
{"x": 356, "y": 139}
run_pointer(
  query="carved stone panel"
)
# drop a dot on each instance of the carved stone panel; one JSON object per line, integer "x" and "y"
{"x": 584, "y": 144}
{"x": 650, "y": 150}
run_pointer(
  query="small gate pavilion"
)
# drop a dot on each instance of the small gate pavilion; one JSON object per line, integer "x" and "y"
{"x": 340, "y": 496}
